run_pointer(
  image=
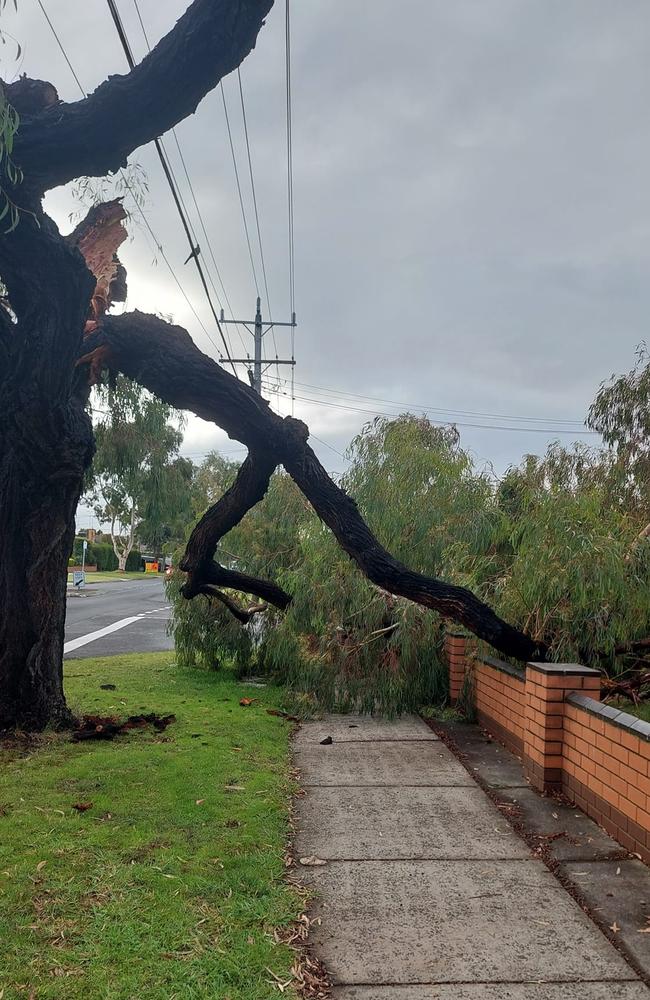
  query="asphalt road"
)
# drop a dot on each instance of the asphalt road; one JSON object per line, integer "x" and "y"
{"x": 130, "y": 617}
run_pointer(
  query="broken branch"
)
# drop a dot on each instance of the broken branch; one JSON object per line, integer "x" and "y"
{"x": 164, "y": 359}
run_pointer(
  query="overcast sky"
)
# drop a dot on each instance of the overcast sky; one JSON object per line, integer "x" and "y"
{"x": 472, "y": 216}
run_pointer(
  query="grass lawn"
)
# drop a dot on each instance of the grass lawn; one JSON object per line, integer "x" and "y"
{"x": 115, "y": 575}
{"x": 170, "y": 886}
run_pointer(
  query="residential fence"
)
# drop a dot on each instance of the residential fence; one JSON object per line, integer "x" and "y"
{"x": 551, "y": 716}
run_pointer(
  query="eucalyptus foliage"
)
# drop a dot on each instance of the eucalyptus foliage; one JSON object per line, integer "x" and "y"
{"x": 573, "y": 578}
{"x": 205, "y": 634}
{"x": 138, "y": 484}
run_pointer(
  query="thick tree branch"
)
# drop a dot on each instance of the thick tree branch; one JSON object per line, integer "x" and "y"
{"x": 248, "y": 489}
{"x": 242, "y": 615}
{"x": 264, "y": 589}
{"x": 94, "y": 136}
{"x": 164, "y": 359}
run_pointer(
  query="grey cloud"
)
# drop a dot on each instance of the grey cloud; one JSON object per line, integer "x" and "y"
{"x": 472, "y": 202}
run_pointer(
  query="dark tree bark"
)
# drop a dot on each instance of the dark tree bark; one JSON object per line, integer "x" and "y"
{"x": 45, "y": 445}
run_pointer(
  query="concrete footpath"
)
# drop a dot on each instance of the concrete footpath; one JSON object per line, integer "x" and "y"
{"x": 427, "y": 893}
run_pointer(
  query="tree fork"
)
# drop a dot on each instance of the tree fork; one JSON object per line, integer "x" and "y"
{"x": 203, "y": 573}
{"x": 94, "y": 136}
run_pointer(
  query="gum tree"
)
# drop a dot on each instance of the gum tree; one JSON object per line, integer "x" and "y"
{"x": 137, "y": 475}
{"x": 56, "y": 335}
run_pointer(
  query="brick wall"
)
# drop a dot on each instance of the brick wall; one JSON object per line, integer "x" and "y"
{"x": 500, "y": 693}
{"x": 550, "y": 715}
{"x": 455, "y": 649}
{"x": 606, "y": 764}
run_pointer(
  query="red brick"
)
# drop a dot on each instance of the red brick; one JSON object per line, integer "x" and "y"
{"x": 628, "y": 808}
{"x": 618, "y": 784}
{"x": 629, "y": 843}
{"x": 630, "y": 742}
{"x": 637, "y": 764}
{"x": 620, "y": 753}
{"x": 638, "y": 797}
{"x": 643, "y": 819}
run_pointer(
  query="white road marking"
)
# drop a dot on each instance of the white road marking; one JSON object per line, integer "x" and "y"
{"x": 84, "y": 639}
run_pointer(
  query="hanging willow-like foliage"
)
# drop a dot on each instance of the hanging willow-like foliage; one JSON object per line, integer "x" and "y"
{"x": 550, "y": 547}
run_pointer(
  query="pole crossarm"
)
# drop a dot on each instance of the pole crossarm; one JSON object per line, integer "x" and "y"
{"x": 258, "y": 333}
{"x": 263, "y": 361}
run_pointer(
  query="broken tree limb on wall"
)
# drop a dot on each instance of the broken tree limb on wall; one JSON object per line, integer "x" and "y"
{"x": 164, "y": 359}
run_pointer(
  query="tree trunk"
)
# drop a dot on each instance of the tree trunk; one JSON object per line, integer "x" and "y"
{"x": 46, "y": 444}
{"x": 37, "y": 527}
{"x": 122, "y": 548}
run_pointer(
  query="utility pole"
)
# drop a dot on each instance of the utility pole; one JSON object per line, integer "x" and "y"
{"x": 258, "y": 331}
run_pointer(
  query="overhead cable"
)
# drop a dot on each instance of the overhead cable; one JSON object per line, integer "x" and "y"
{"x": 158, "y": 245}
{"x": 206, "y": 237}
{"x": 194, "y": 249}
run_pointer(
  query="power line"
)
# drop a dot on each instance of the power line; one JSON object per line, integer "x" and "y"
{"x": 60, "y": 44}
{"x": 437, "y": 409}
{"x": 292, "y": 299}
{"x": 331, "y": 447}
{"x": 207, "y": 239}
{"x": 194, "y": 249}
{"x": 257, "y": 218}
{"x": 241, "y": 199}
{"x": 449, "y": 423}
{"x": 444, "y": 423}
{"x": 157, "y": 243}
{"x": 257, "y": 221}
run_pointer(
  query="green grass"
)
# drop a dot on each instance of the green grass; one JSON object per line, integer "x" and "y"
{"x": 170, "y": 886}
{"x": 115, "y": 575}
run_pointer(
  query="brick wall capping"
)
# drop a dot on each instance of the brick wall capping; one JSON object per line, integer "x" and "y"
{"x": 624, "y": 720}
{"x": 456, "y": 633}
{"x": 506, "y": 668}
{"x": 564, "y": 669}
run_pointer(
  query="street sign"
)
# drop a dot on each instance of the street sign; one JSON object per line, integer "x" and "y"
{"x": 78, "y": 578}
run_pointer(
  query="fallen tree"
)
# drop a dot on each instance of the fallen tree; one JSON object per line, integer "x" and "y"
{"x": 56, "y": 336}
